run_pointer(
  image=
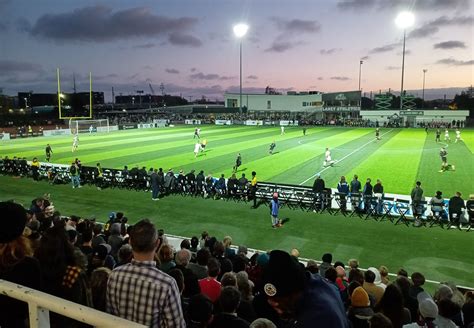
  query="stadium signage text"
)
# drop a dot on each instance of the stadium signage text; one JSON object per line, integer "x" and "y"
{"x": 412, "y": 112}
{"x": 341, "y": 109}
{"x": 223, "y": 122}
{"x": 127, "y": 126}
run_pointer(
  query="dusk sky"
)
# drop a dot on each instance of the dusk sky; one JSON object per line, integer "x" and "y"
{"x": 189, "y": 46}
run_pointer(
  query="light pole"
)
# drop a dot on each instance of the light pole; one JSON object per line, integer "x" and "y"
{"x": 404, "y": 20}
{"x": 239, "y": 31}
{"x": 423, "y": 94}
{"x": 360, "y": 71}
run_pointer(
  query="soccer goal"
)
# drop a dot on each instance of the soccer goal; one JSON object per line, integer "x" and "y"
{"x": 89, "y": 126}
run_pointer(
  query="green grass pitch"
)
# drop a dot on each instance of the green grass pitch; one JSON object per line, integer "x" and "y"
{"x": 399, "y": 159}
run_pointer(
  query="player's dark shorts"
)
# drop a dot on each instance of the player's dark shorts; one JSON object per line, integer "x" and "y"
{"x": 444, "y": 159}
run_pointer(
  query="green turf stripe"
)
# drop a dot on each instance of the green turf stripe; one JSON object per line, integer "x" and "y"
{"x": 232, "y": 149}
{"x": 395, "y": 162}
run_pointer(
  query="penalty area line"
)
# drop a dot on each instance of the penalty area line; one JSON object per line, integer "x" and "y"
{"x": 351, "y": 153}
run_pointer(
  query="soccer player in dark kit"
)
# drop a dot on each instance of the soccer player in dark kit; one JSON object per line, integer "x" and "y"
{"x": 48, "y": 152}
{"x": 438, "y": 134}
{"x": 377, "y": 134}
{"x": 238, "y": 162}
{"x": 272, "y": 147}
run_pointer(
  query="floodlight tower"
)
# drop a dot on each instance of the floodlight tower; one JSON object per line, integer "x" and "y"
{"x": 423, "y": 95}
{"x": 239, "y": 31}
{"x": 404, "y": 20}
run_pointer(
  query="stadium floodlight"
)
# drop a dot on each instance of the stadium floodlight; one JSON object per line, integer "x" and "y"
{"x": 404, "y": 20}
{"x": 239, "y": 31}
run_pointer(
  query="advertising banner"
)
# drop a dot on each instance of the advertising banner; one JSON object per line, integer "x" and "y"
{"x": 127, "y": 126}
{"x": 223, "y": 122}
{"x": 4, "y": 136}
{"x": 192, "y": 122}
{"x": 58, "y": 132}
{"x": 252, "y": 122}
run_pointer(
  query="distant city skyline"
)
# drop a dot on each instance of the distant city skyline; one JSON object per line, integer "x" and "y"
{"x": 189, "y": 46}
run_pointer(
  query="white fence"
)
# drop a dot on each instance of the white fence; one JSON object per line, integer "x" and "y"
{"x": 39, "y": 305}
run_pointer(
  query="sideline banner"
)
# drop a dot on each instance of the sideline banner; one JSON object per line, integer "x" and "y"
{"x": 288, "y": 123}
{"x": 192, "y": 122}
{"x": 223, "y": 122}
{"x": 146, "y": 125}
{"x": 252, "y": 122}
{"x": 4, "y": 136}
{"x": 127, "y": 126}
{"x": 58, "y": 132}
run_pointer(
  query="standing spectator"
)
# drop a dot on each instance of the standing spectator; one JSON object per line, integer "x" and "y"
{"x": 115, "y": 239}
{"x": 99, "y": 279}
{"x": 35, "y": 166}
{"x": 468, "y": 308}
{"x": 371, "y": 288}
{"x": 343, "y": 188}
{"x": 367, "y": 194}
{"x": 253, "y": 189}
{"x": 360, "y": 311}
{"x": 74, "y": 173}
{"x": 470, "y": 210}
{"x": 318, "y": 190}
{"x": 418, "y": 280}
{"x": 456, "y": 206}
{"x": 155, "y": 185}
{"x": 138, "y": 291}
{"x": 191, "y": 285}
{"x": 416, "y": 198}
{"x": 327, "y": 259}
{"x": 165, "y": 255}
{"x": 99, "y": 177}
{"x": 378, "y": 192}
{"x": 16, "y": 263}
{"x": 355, "y": 184}
{"x": 200, "y": 267}
{"x": 274, "y": 209}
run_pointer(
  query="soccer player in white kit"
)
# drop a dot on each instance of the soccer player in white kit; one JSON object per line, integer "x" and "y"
{"x": 458, "y": 136}
{"x": 75, "y": 143}
{"x": 91, "y": 128}
{"x": 327, "y": 158}
{"x": 446, "y": 135}
{"x": 282, "y": 130}
{"x": 197, "y": 147}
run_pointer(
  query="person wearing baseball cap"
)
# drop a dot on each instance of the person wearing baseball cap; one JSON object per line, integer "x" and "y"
{"x": 17, "y": 264}
{"x": 298, "y": 296}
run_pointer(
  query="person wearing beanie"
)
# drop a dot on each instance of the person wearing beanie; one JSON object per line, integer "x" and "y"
{"x": 360, "y": 311}
{"x": 297, "y": 296}
{"x": 274, "y": 209}
{"x": 427, "y": 312}
{"x": 16, "y": 263}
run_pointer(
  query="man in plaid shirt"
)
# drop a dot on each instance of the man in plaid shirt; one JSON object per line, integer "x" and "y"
{"x": 138, "y": 291}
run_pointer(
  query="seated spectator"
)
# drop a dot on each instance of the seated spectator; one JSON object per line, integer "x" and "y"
{"x": 360, "y": 311}
{"x": 378, "y": 277}
{"x": 384, "y": 275}
{"x": 200, "y": 267}
{"x": 200, "y": 312}
{"x": 191, "y": 285}
{"x": 138, "y": 291}
{"x": 98, "y": 281}
{"x": 17, "y": 264}
{"x": 229, "y": 301}
{"x": 437, "y": 205}
{"x": 294, "y": 295}
{"x": 456, "y": 207}
{"x": 229, "y": 252}
{"x": 210, "y": 286}
{"x": 229, "y": 279}
{"x": 115, "y": 239}
{"x": 418, "y": 280}
{"x": 101, "y": 258}
{"x": 450, "y": 314}
{"x": 98, "y": 238}
{"x": 410, "y": 303}
{"x": 262, "y": 323}
{"x": 391, "y": 305}
{"x": 125, "y": 255}
{"x": 427, "y": 312}
{"x": 371, "y": 288}
{"x": 468, "y": 308}
{"x": 312, "y": 267}
{"x": 327, "y": 259}
{"x": 194, "y": 245}
{"x": 379, "y": 320}
{"x": 165, "y": 254}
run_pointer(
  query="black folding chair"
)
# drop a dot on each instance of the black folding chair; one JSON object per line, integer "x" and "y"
{"x": 402, "y": 206}
{"x": 341, "y": 200}
{"x": 388, "y": 203}
{"x": 371, "y": 210}
{"x": 355, "y": 205}
{"x": 326, "y": 201}
{"x": 439, "y": 215}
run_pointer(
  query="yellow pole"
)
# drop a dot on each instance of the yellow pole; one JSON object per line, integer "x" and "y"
{"x": 59, "y": 94}
{"x": 90, "y": 94}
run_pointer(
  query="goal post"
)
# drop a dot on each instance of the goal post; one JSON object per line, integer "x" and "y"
{"x": 84, "y": 126}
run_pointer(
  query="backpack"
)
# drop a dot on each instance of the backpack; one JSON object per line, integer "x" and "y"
{"x": 73, "y": 169}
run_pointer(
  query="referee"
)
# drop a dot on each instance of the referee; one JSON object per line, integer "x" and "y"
{"x": 48, "y": 152}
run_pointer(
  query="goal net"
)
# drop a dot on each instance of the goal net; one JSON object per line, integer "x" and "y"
{"x": 89, "y": 126}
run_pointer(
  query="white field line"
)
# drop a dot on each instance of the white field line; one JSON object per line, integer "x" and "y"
{"x": 351, "y": 153}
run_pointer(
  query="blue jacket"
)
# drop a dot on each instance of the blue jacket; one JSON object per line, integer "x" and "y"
{"x": 275, "y": 205}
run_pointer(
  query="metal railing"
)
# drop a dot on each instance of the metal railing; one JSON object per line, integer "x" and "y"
{"x": 39, "y": 305}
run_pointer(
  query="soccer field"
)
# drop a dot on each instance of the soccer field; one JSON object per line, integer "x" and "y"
{"x": 402, "y": 157}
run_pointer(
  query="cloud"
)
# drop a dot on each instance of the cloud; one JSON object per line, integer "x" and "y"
{"x": 386, "y": 48}
{"x": 425, "y": 5}
{"x": 102, "y": 24}
{"x": 145, "y": 46}
{"x": 209, "y": 77}
{"x": 449, "y": 45}
{"x": 193, "y": 69}
{"x": 432, "y": 27}
{"x": 454, "y": 62}
{"x": 252, "y": 77}
{"x": 355, "y": 4}
{"x": 393, "y": 68}
{"x": 282, "y": 46}
{"x": 179, "y": 39}
{"x": 13, "y": 66}
{"x": 365, "y": 58}
{"x": 3, "y": 27}
{"x": 339, "y": 78}
{"x": 172, "y": 71}
{"x": 296, "y": 25}
{"x": 329, "y": 51}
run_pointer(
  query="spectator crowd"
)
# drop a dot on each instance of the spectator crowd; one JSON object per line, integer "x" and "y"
{"x": 132, "y": 271}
